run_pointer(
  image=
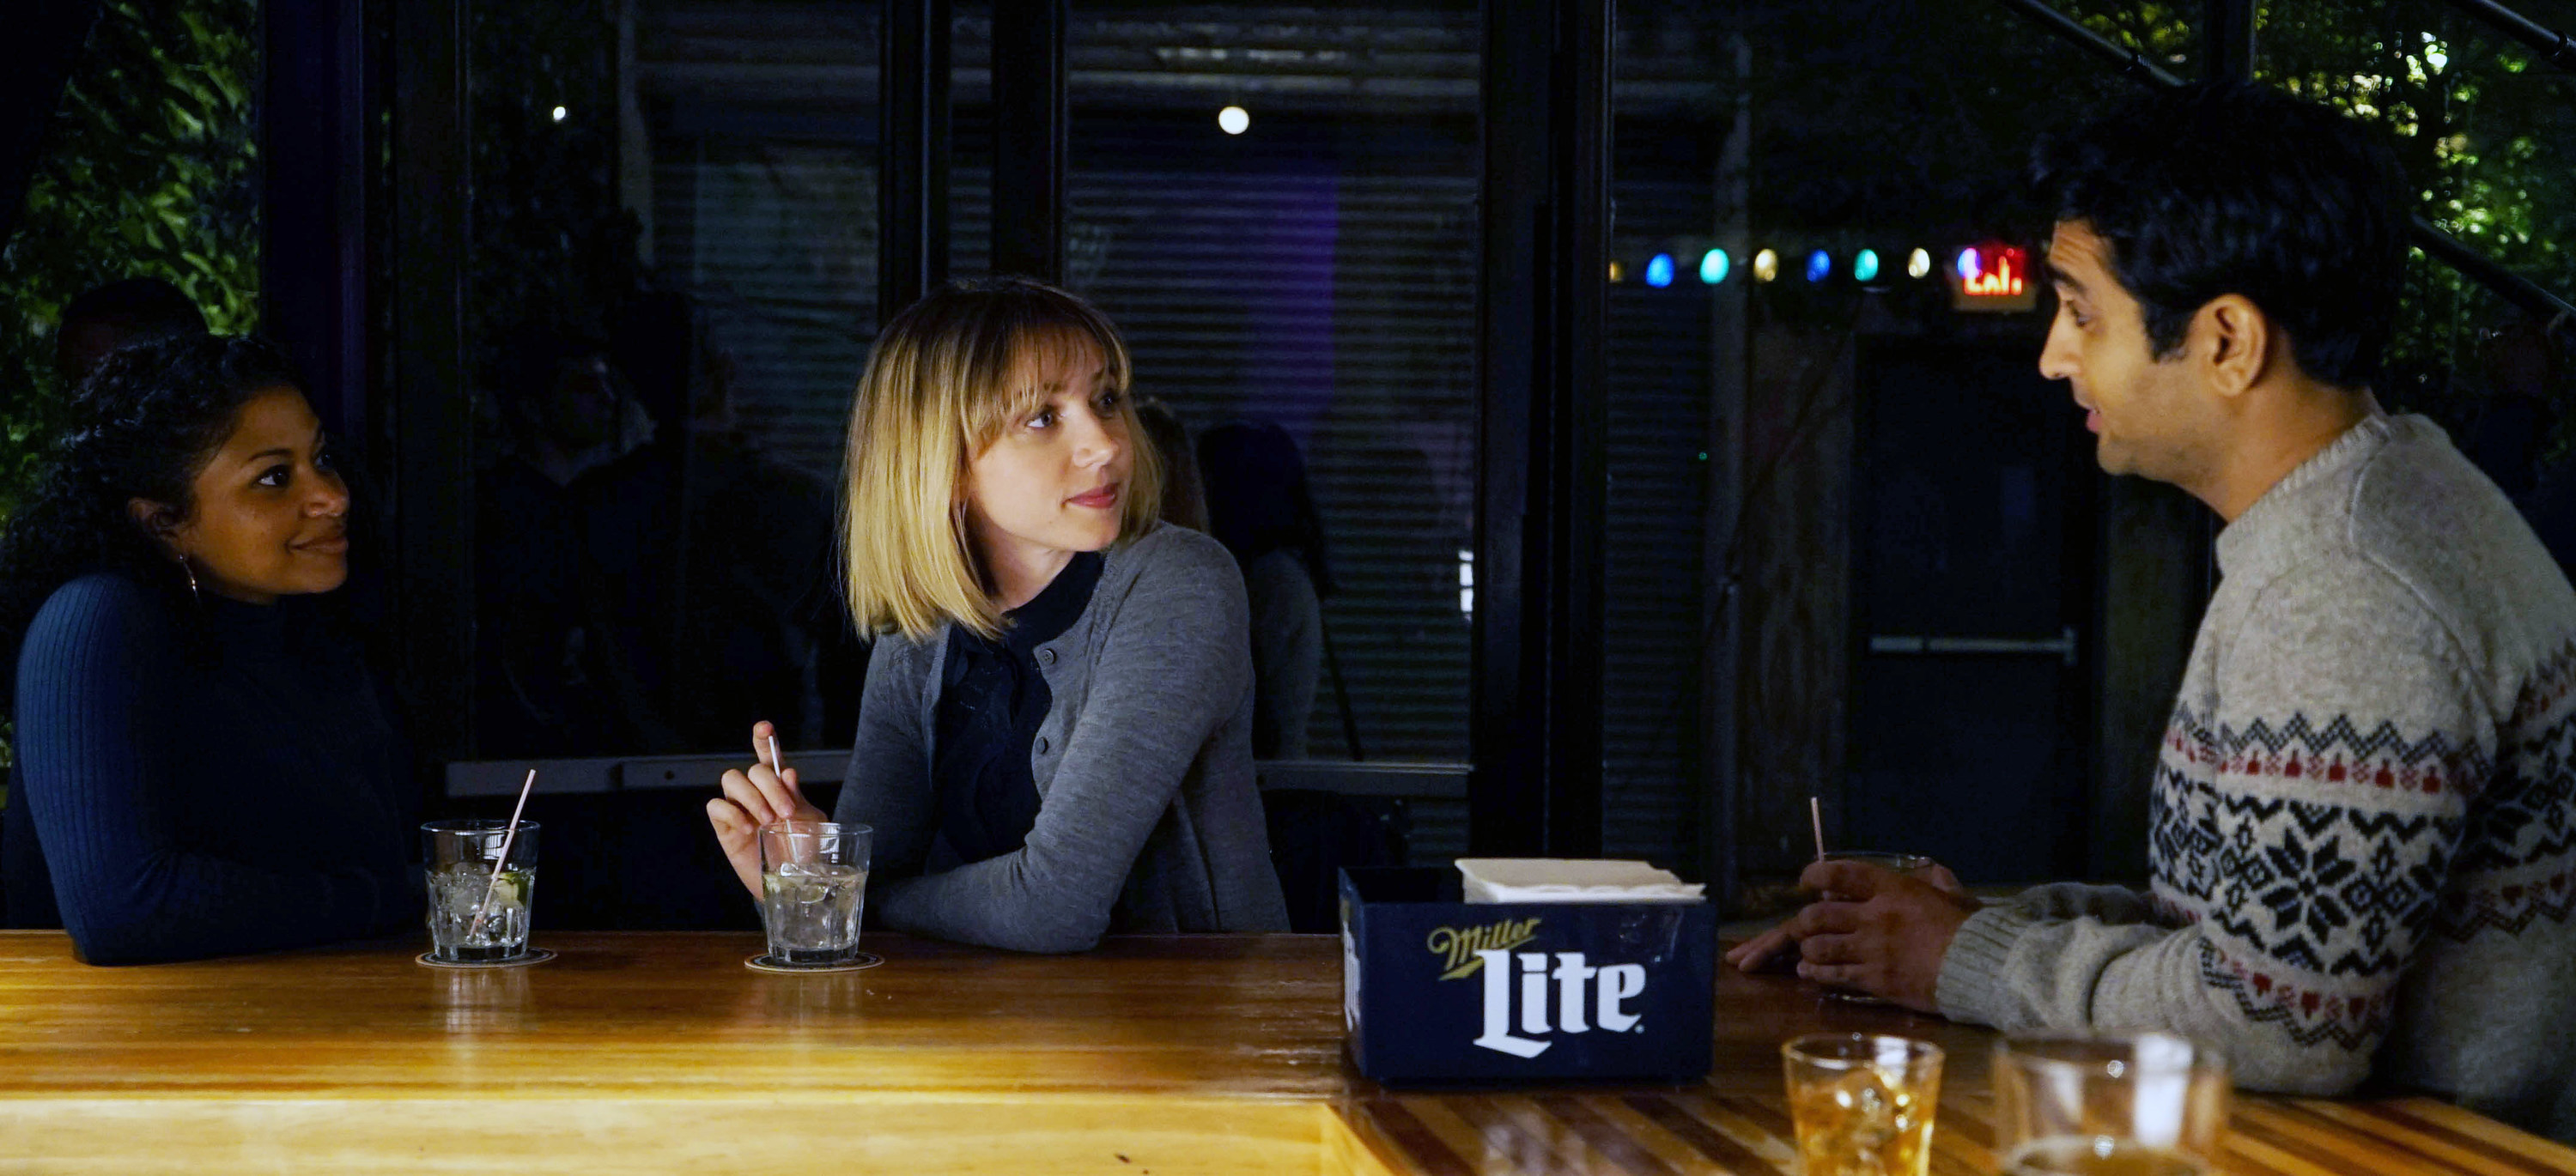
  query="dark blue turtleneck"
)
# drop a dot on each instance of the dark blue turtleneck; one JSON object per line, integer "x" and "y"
{"x": 201, "y": 780}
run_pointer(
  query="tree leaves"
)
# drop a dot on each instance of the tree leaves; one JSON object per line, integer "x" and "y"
{"x": 149, "y": 169}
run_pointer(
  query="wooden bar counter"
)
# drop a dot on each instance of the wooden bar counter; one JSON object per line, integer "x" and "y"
{"x": 660, "y": 1052}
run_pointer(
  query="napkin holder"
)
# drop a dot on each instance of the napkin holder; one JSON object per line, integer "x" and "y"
{"x": 1438, "y": 991}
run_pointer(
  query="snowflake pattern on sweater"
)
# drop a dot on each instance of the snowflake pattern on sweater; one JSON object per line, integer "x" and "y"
{"x": 2362, "y": 831}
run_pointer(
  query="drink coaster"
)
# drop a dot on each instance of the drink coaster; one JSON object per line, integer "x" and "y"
{"x": 536, "y": 956}
{"x": 770, "y": 963}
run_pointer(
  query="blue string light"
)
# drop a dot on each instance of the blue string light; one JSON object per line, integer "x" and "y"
{"x": 1659, "y": 270}
{"x": 1820, "y": 265}
{"x": 1968, "y": 265}
{"x": 1865, "y": 266}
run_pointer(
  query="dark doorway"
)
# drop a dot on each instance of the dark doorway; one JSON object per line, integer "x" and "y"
{"x": 1973, "y": 561}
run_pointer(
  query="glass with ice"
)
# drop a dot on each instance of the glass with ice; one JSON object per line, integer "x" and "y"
{"x": 478, "y": 915}
{"x": 1863, "y": 1103}
{"x": 814, "y": 883}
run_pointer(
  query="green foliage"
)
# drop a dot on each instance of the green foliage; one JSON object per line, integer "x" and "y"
{"x": 2488, "y": 136}
{"x": 148, "y": 170}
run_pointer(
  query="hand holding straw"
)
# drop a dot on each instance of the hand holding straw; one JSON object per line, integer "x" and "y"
{"x": 507, "y": 836}
{"x": 798, "y": 849}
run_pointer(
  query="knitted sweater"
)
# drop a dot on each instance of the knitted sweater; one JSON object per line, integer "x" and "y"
{"x": 2363, "y": 823}
{"x": 208, "y": 780}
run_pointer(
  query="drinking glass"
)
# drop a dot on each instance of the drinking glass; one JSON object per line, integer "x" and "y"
{"x": 814, "y": 883}
{"x": 2138, "y": 1104}
{"x": 1863, "y": 1103}
{"x": 478, "y": 916}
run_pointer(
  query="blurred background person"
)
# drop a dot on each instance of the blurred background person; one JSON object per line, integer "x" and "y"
{"x": 2524, "y": 370}
{"x": 550, "y": 676}
{"x": 120, "y": 314}
{"x": 1259, "y": 506}
{"x": 1184, "y": 494}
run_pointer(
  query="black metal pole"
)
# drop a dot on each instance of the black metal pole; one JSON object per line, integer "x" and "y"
{"x": 432, "y": 410}
{"x": 2131, "y": 62}
{"x": 2484, "y": 270}
{"x": 44, "y": 44}
{"x": 1028, "y": 137}
{"x": 2554, "y": 46}
{"x": 914, "y": 148}
{"x": 1542, "y": 495}
{"x": 314, "y": 264}
{"x": 2227, "y": 40}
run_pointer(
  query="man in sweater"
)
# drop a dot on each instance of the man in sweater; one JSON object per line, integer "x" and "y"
{"x": 2363, "y": 830}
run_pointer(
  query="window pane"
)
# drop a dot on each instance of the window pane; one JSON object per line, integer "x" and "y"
{"x": 1747, "y": 440}
{"x": 673, "y": 285}
{"x": 1299, "y": 287}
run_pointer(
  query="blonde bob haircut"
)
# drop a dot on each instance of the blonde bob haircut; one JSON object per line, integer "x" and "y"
{"x": 944, "y": 380}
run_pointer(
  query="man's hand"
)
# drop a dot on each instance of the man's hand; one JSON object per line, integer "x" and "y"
{"x": 1876, "y": 931}
{"x": 1775, "y": 946}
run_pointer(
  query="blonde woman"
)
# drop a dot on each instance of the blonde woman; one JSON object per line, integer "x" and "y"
{"x": 1055, "y": 740}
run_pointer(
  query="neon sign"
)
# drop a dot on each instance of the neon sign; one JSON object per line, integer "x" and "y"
{"x": 1993, "y": 271}
{"x": 1992, "y": 276}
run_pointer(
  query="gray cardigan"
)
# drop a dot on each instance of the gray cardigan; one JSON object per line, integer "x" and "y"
{"x": 1148, "y": 816}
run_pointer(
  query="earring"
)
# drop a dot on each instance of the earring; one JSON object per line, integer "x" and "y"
{"x": 191, "y": 572}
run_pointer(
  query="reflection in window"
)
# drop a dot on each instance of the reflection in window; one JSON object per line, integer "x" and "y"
{"x": 1280, "y": 212}
{"x": 673, "y": 287}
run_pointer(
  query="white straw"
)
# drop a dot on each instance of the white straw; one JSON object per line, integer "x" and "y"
{"x": 1816, "y": 818}
{"x": 507, "y": 836}
{"x": 776, "y": 763}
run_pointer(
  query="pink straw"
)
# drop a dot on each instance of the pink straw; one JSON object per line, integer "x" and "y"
{"x": 1816, "y": 818}
{"x": 507, "y": 836}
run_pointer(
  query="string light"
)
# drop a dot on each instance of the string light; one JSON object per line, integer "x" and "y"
{"x": 1766, "y": 266}
{"x": 1713, "y": 266}
{"x": 1234, "y": 120}
{"x": 1659, "y": 270}
{"x": 1865, "y": 266}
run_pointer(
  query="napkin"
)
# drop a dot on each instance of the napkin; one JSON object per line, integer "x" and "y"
{"x": 1572, "y": 880}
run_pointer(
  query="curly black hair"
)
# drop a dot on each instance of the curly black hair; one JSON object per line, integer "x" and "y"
{"x": 2230, "y": 188}
{"x": 143, "y": 425}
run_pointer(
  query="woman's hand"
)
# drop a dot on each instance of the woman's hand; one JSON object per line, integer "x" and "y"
{"x": 753, "y": 797}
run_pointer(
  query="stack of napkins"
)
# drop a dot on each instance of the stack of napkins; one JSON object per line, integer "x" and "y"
{"x": 1571, "y": 880}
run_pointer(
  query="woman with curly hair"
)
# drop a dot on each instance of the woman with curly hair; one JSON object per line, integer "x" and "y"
{"x": 203, "y": 765}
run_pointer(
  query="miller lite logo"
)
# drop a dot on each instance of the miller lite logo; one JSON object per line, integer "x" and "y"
{"x": 1558, "y": 992}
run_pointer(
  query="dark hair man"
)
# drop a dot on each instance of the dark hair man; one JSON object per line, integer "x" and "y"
{"x": 2363, "y": 832}
{"x": 120, "y": 314}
